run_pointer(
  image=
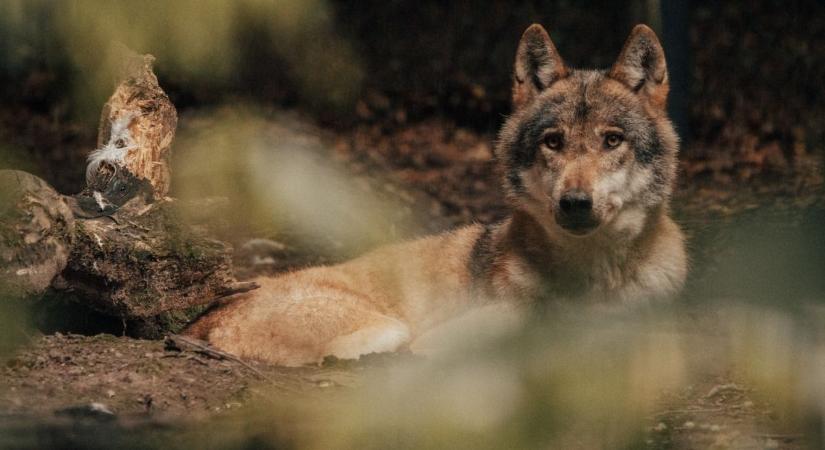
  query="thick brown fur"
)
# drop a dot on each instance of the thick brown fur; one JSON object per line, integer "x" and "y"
{"x": 588, "y": 162}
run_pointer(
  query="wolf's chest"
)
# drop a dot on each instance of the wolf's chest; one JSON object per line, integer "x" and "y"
{"x": 600, "y": 279}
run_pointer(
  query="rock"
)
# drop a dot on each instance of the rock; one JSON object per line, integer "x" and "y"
{"x": 97, "y": 411}
{"x": 36, "y": 234}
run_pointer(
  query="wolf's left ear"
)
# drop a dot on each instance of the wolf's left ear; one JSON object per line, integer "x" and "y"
{"x": 538, "y": 65}
{"x": 641, "y": 66}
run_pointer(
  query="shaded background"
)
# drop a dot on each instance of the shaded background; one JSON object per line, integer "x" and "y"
{"x": 399, "y": 62}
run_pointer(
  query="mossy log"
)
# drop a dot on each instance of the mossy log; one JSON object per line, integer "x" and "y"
{"x": 147, "y": 266}
{"x": 118, "y": 248}
{"x": 36, "y": 234}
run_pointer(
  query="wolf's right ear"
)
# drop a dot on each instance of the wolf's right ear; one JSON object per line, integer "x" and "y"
{"x": 641, "y": 65}
{"x": 538, "y": 65}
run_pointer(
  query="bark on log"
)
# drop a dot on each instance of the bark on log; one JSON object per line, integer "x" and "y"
{"x": 36, "y": 234}
{"x": 147, "y": 265}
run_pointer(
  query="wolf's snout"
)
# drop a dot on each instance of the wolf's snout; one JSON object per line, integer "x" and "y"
{"x": 575, "y": 212}
{"x": 576, "y": 202}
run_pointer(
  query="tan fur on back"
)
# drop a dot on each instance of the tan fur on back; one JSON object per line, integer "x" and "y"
{"x": 393, "y": 293}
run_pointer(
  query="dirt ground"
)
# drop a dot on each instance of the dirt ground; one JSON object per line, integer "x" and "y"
{"x": 59, "y": 386}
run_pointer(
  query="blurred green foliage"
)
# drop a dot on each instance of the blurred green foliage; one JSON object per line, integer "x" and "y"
{"x": 14, "y": 324}
{"x": 276, "y": 174}
{"x": 210, "y": 46}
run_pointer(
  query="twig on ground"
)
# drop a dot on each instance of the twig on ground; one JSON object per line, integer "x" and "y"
{"x": 699, "y": 410}
{"x": 238, "y": 288}
{"x": 136, "y": 225}
{"x": 185, "y": 343}
{"x": 780, "y": 437}
{"x": 718, "y": 389}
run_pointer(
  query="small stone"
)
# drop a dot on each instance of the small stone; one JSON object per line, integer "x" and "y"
{"x": 110, "y": 393}
{"x": 101, "y": 409}
{"x": 661, "y": 426}
{"x": 92, "y": 410}
{"x": 689, "y": 425}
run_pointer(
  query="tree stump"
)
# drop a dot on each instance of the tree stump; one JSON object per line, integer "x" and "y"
{"x": 137, "y": 126}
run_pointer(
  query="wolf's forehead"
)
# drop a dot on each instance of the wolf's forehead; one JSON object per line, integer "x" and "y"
{"x": 586, "y": 96}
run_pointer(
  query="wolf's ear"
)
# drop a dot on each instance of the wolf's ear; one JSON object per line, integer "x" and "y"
{"x": 538, "y": 65}
{"x": 641, "y": 65}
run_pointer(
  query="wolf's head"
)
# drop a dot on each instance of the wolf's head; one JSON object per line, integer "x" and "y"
{"x": 587, "y": 151}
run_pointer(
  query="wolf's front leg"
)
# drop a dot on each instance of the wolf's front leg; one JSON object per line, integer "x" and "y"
{"x": 386, "y": 335}
{"x": 299, "y": 330}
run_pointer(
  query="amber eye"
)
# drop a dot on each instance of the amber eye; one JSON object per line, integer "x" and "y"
{"x": 613, "y": 140}
{"x": 554, "y": 141}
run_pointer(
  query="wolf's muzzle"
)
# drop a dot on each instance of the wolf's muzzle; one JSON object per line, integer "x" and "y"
{"x": 575, "y": 212}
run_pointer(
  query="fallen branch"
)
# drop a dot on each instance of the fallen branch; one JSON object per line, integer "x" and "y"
{"x": 718, "y": 389}
{"x": 700, "y": 410}
{"x": 184, "y": 343}
{"x": 781, "y": 437}
{"x": 238, "y": 288}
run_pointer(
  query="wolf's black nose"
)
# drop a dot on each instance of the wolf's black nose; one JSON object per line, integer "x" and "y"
{"x": 576, "y": 202}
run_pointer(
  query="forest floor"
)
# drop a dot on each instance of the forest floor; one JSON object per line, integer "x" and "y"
{"x": 48, "y": 388}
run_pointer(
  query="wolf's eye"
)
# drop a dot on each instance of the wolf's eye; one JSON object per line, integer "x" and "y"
{"x": 554, "y": 141}
{"x": 613, "y": 140}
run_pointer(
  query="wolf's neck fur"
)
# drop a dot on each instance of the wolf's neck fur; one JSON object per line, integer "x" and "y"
{"x": 541, "y": 262}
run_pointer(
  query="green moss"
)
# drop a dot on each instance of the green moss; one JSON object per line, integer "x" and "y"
{"x": 147, "y": 297}
{"x": 141, "y": 256}
{"x": 175, "y": 321}
{"x": 14, "y": 320}
{"x": 157, "y": 327}
{"x": 9, "y": 215}
{"x": 181, "y": 242}
{"x": 9, "y": 236}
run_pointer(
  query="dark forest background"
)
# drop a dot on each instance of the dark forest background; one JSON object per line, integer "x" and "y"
{"x": 747, "y": 75}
